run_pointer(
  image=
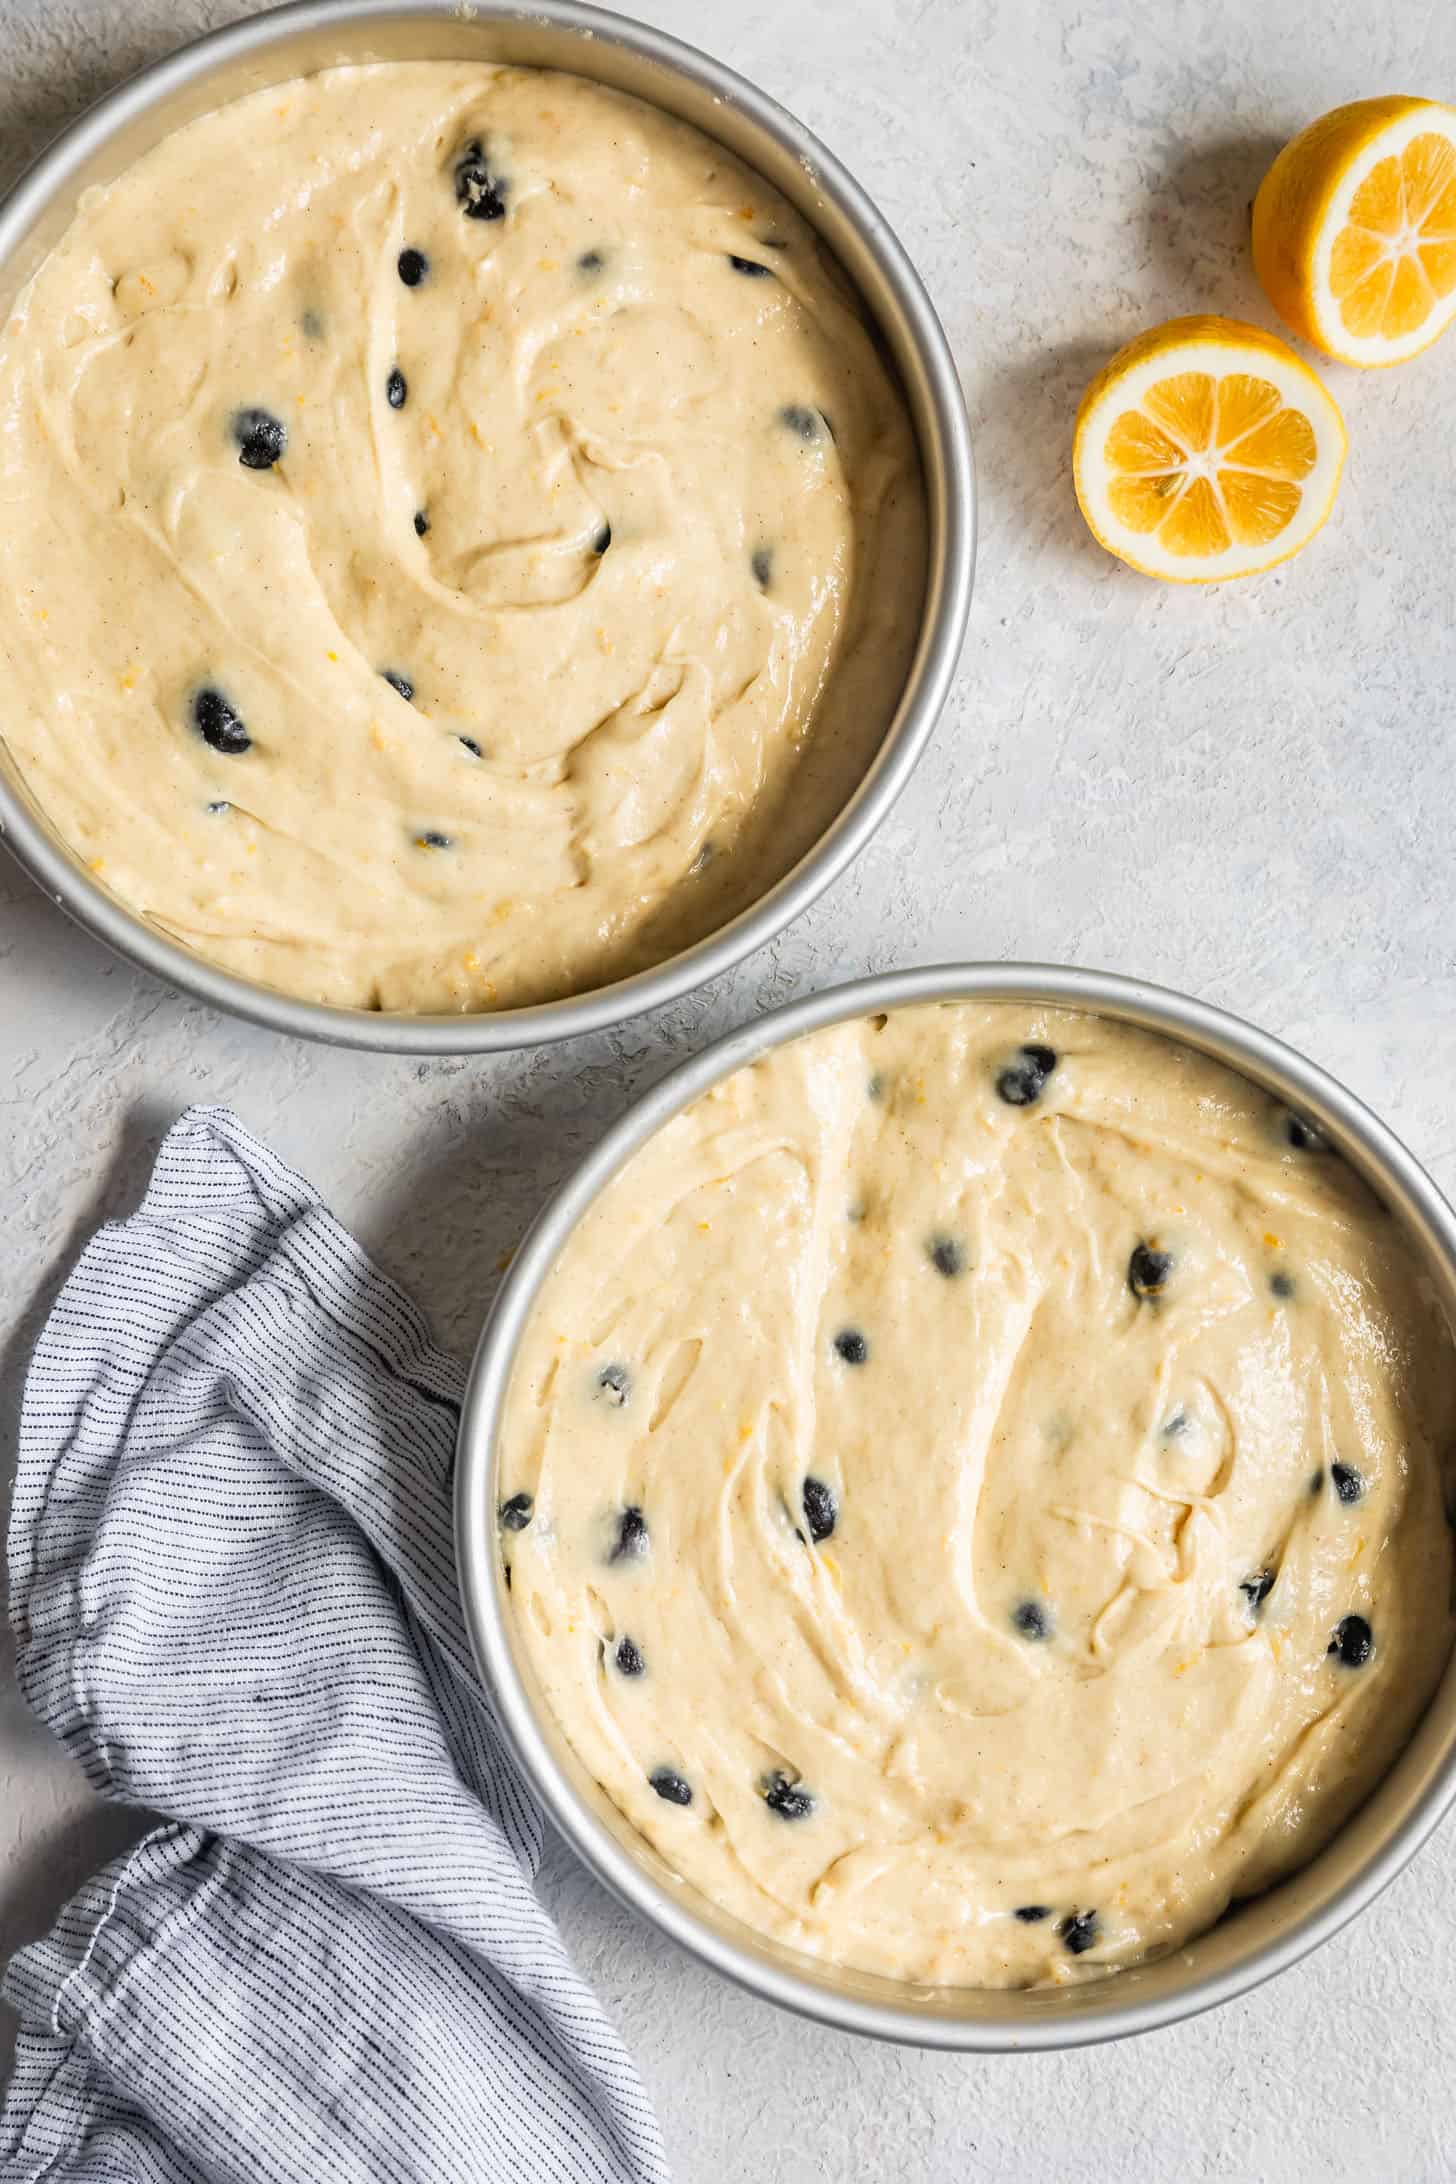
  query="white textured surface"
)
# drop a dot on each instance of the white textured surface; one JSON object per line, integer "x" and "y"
{"x": 1246, "y": 793}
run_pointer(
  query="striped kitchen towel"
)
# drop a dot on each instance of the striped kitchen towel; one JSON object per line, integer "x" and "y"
{"x": 232, "y": 1584}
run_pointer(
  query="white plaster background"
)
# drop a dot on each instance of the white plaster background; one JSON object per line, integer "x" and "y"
{"x": 1248, "y": 793}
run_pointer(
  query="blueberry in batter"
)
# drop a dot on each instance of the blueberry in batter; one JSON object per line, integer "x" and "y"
{"x": 821, "y": 1512}
{"x": 1022, "y": 1082}
{"x": 1257, "y": 1589}
{"x": 1353, "y": 1642}
{"x": 1031, "y": 1620}
{"x": 632, "y": 1538}
{"x": 481, "y": 194}
{"x": 262, "y": 438}
{"x": 219, "y": 723}
{"x": 1080, "y": 1931}
{"x": 614, "y": 1385}
{"x": 516, "y": 1511}
{"x": 1148, "y": 1270}
{"x": 788, "y": 1800}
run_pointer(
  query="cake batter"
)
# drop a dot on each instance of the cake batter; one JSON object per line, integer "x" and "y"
{"x": 460, "y": 543}
{"x": 972, "y": 1489}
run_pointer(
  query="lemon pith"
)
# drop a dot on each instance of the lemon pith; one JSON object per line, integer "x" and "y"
{"x": 1354, "y": 230}
{"x": 1206, "y": 449}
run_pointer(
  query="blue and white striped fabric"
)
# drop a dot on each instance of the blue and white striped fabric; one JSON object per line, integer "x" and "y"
{"x": 233, "y": 1590}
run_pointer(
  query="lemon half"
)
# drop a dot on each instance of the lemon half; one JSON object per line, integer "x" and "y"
{"x": 1355, "y": 229}
{"x": 1206, "y": 449}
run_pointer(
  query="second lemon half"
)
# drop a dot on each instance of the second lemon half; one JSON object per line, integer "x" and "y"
{"x": 1355, "y": 229}
{"x": 1206, "y": 449}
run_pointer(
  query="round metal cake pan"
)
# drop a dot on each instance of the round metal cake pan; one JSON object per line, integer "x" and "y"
{"x": 1254, "y": 1940}
{"x": 628, "y": 56}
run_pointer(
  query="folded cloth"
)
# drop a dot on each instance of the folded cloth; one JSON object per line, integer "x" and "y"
{"x": 232, "y": 1584}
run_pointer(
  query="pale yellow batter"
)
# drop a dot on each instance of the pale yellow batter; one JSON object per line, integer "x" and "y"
{"x": 972, "y": 1490}
{"x": 458, "y": 542}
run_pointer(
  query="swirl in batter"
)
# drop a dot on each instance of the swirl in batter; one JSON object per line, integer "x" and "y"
{"x": 460, "y": 543}
{"x": 972, "y": 1491}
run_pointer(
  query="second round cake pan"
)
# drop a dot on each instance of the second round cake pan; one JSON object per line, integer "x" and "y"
{"x": 1253, "y": 1940}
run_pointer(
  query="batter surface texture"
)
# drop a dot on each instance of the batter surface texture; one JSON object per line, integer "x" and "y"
{"x": 973, "y": 1493}
{"x": 459, "y": 541}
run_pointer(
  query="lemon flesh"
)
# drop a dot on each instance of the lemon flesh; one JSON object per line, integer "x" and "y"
{"x": 1205, "y": 450}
